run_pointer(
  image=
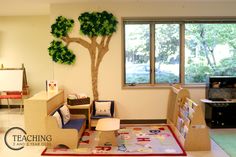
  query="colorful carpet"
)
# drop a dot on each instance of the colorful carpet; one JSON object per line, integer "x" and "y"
{"x": 225, "y": 138}
{"x": 132, "y": 141}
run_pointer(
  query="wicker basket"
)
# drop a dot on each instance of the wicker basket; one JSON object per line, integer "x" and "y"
{"x": 79, "y": 101}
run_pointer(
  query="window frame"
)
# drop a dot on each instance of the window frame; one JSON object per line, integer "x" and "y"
{"x": 150, "y": 56}
{"x": 154, "y": 72}
{"x": 178, "y": 20}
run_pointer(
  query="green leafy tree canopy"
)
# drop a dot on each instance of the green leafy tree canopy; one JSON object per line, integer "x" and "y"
{"x": 97, "y": 23}
{"x": 93, "y": 25}
{"x": 65, "y": 56}
{"x": 62, "y": 27}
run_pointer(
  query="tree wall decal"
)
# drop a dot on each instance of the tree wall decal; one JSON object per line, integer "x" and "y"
{"x": 97, "y": 26}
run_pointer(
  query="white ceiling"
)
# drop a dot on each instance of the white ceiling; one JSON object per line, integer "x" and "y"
{"x": 41, "y": 7}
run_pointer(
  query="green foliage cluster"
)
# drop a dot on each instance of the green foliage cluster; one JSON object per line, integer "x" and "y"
{"x": 197, "y": 73}
{"x": 92, "y": 24}
{"x": 60, "y": 53}
{"x": 228, "y": 67}
{"x": 138, "y": 43}
{"x": 202, "y": 41}
{"x": 167, "y": 42}
{"x": 160, "y": 77}
{"x": 137, "y": 78}
{"x": 166, "y": 77}
{"x": 97, "y": 23}
{"x": 62, "y": 27}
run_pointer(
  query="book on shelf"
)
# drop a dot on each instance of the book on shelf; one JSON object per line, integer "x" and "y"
{"x": 191, "y": 111}
{"x": 180, "y": 123}
{"x": 185, "y": 131}
{"x": 187, "y": 121}
{"x": 183, "y": 113}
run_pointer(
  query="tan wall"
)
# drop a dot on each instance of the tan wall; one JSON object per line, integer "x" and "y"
{"x": 24, "y": 39}
{"x": 30, "y": 39}
{"x": 132, "y": 103}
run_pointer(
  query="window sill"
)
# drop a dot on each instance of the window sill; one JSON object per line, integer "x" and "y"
{"x": 194, "y": 86}
{"x": 160, "y": 86}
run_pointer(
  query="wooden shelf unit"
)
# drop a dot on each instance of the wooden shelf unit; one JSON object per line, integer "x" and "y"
{"x": 186, "y": 119}
{"x": 38, "y": 107}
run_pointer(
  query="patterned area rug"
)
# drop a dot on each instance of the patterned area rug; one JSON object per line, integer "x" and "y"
{"x": 157, "y": 140}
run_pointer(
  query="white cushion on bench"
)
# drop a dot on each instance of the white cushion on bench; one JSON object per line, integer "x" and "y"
{"x": 58, "y": 117}
{"x": 65, "y": 114}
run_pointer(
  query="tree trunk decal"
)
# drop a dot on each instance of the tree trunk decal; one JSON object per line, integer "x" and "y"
{"x": 95, "y": 25}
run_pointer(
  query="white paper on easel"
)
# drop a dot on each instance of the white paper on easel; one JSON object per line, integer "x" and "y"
{"x": 11, "y": 80}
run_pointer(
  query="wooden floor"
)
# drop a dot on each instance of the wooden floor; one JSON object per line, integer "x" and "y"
{"x": 14, "y": 118}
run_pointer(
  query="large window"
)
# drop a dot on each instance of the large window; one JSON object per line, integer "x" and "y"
{"x": 210, "y": 49}
{"x": 178, "y": 52}
{"x": 167, "y": 44}
{"x": 137, "y": 53}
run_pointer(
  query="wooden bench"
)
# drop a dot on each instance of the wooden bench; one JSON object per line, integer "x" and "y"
{"x": 73, "y": 129}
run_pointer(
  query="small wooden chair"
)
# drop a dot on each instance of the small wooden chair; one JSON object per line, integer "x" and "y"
{"x": 95, "y": 118}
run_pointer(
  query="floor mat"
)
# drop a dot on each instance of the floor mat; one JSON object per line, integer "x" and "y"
{"x": 225, "y": 138}
{"x": 156, "y": 140}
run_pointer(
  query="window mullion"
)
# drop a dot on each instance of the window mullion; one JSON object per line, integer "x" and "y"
{"x": 152, "y": 53}
{"x": 182, "y": 53}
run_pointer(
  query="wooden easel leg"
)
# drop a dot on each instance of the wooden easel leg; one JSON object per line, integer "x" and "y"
{"x": 8, "y": 104}
{"x": 21, "y": 106}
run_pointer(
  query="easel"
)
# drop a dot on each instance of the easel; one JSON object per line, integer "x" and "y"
{"x": 13, "y": 84}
